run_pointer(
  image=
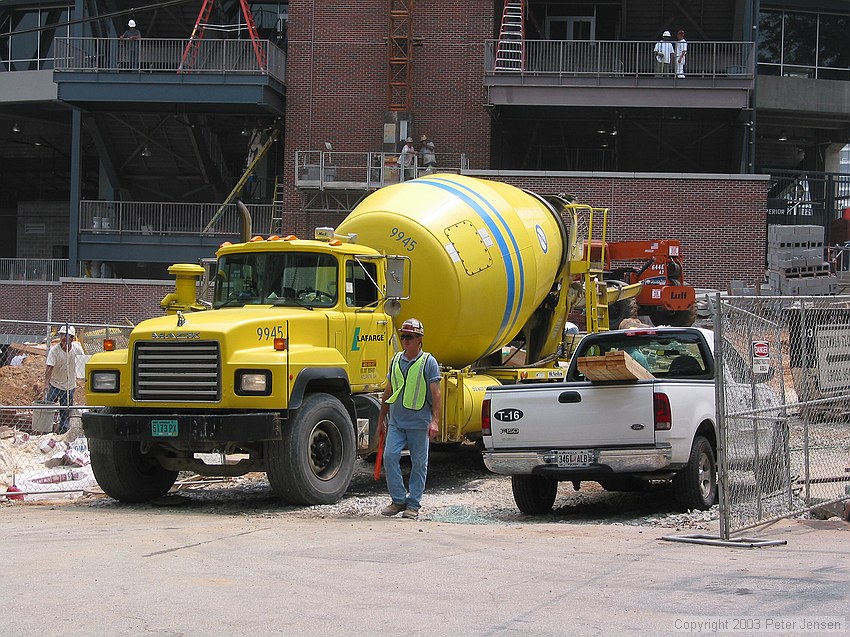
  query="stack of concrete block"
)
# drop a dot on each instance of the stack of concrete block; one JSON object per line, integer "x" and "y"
{"x": 795, "y": 263}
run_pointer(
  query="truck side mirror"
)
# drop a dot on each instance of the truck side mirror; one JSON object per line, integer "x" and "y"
{"x": 397, "y": 278}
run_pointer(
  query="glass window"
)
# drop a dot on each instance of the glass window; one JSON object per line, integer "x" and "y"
{"x": 770, "y": 37}
{"x": 663, "y": 354}
{"x": 361, "y": 278}
{"x": 833, "y": 44}
{"x": 302, "y": 279}
{"x": 801, "y": 31}
{"x": 24, "y": 45}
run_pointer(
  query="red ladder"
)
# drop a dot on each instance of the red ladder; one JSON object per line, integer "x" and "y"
{"x": 190, "y": 53}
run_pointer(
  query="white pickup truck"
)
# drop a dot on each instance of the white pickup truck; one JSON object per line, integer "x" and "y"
{"x": 623, "y": 433}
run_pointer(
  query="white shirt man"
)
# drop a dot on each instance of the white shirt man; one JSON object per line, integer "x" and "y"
{"x": 663, "y": 54}
{"x": 681, "y": 52}
{"x": 60, "y": 373}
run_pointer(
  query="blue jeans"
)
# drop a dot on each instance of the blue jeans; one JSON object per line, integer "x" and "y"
{"x": 418, "y": 443}
{"x": 65, "y": 398}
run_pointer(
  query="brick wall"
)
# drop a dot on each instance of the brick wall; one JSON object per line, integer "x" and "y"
{"x": 113, "y": 301}
{"x": 337, "y": 81}
{"x": 720, "y": 221}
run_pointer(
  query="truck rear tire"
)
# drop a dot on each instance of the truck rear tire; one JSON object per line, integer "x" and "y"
{"x": 534, "y": 495}
{"x": 695, "y": 486}
{"x": 314, "y": 462}
{"x": 127, "y": 474}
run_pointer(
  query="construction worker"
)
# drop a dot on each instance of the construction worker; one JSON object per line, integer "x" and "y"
{"x": 60, "y": 373}
{"x": 412, "y": 402}
{"x": 407, "y": 160}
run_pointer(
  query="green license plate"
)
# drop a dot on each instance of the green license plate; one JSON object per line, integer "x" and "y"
{"x": 164, "y": 428}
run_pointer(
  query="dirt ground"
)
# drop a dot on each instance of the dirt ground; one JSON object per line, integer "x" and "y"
{"x": 23, "y": 384}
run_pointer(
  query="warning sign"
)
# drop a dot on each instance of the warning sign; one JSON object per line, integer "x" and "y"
{"x": 761, "y": 357}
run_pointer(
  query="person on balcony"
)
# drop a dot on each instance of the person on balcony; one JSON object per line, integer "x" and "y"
{"x": 663, "y": 55}
{"x": 427, "y": 156}
{"x": 681, "y": 52}
{"x": 406, "y": 160}
{"x": 130, "y": 46}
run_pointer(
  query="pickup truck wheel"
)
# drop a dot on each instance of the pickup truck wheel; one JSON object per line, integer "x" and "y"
{"x": 127, "y": 474}
{"x": 695, "y": 486}
{"x": 534, "y": 495}
{"x": 314, "y": 462}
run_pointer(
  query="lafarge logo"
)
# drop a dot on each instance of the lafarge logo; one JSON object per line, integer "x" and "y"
{"x": 183, "y": 336}
{"x": 364, "y": 338}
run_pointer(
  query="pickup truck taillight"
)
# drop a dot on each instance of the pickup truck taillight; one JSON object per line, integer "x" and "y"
{"x": 663, "y": 416}
{"x": 485, "y": 417}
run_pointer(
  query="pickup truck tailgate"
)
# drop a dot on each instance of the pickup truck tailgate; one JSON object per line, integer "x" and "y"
{"x": 580, "y": 415}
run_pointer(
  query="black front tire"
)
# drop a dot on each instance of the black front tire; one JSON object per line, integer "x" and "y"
{"x": 127, "y": 474}
{"x": 314, "y": 462}
{"x": 534, "y": 495}
{"x": 695, "y": 486}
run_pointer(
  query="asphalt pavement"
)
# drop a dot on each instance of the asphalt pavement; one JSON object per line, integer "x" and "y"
{"x": 115, "y": 570}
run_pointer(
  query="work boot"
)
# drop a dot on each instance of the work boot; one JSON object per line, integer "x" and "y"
{"x": 393, "y": 509}
{"x": 410, "y": 514}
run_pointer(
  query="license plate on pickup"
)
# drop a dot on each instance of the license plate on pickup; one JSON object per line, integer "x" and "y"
{"x": 164, "y": 428}
{"x": 575, "y": 458}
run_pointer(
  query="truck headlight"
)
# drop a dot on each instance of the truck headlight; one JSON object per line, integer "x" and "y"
{"x": 253, "y": 382}
{"x": 105, "y": 381}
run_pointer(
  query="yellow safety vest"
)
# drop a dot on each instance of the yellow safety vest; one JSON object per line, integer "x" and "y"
{"x": 414, "y": 393}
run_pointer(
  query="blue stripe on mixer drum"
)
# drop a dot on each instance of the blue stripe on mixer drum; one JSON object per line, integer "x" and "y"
{"x": 513, "y": 304}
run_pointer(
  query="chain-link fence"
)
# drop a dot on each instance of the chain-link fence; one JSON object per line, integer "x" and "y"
{"x": 42, "y": 448}
{"x": 783, "y": 406}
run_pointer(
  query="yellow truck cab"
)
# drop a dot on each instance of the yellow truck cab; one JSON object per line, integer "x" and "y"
{"x": 275, "y": 375}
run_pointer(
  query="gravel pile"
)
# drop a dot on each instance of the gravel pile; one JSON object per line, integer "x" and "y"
{"x": 460, "y": 491}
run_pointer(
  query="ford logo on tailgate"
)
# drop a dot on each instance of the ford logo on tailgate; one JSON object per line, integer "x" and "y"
{"x": 508, "y": 415}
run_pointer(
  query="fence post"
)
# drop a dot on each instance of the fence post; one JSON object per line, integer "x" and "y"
{"x": 804, "y": 335}
{"x": 720, "y": 416}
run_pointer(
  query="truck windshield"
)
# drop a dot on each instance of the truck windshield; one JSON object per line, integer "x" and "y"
{"x": 305, "y": 279}
{"x": 665, "y": 355}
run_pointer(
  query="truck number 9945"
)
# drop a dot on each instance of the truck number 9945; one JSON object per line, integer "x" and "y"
{"x": 268, "y": 333}
{"x": 406, "y": 241}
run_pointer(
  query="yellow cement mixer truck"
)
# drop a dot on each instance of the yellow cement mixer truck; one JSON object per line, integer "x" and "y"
{"x": 282, "y": 374}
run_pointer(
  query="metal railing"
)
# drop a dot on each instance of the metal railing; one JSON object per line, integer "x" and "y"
{"x": 366, "y": 170}
{"x": 33, "y": 269}
{"x": 166, "y": 218}
{"x": 112, "y": 55}
{"x": 604, "y": 58}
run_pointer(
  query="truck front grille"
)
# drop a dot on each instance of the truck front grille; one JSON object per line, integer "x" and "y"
{"x": 176, "y": 372}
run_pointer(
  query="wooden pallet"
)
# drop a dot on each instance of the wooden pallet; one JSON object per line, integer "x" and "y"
{"x": 613, "y": 366}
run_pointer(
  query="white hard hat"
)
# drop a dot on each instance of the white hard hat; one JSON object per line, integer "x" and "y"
{"x": 132, "y": 24}
{"x": 68, "y": 330}
{"x": 666, "y": 34}
{"x": 570, "y": 328}
{"x": 414, "y": 326}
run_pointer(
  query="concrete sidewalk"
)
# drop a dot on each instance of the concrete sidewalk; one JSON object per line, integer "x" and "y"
{"x": 114, "y": 570}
